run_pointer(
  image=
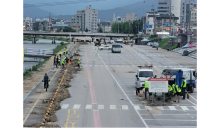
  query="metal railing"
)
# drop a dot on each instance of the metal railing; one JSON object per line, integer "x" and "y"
{"x": 38, "y": 51}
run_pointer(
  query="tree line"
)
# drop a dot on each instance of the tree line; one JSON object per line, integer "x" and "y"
{"x": 127, "y": 27}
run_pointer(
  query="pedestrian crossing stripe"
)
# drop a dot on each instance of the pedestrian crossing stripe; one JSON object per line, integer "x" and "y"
{"x": 126, "y": 107}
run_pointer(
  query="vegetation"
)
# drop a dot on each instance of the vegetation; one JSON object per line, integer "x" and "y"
{"x": 86, "y": 30}
{"x": 128, "y": 27}
{"x": 29, "y": 38}
{"x": 68, "y": 29}
{"x": 100, "y": 30}
{"x": 28, "y": 72}
{"x": 59, "y": 47}
{"x": 164, "y": 42}
{"x": 59, "y": 29}
{"x": 173, "y": 47}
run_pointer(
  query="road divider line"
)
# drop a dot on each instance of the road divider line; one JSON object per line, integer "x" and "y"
{"x": 124, "y": 93}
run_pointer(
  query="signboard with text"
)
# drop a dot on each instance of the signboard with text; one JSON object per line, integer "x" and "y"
{"x": 158, "y": 85}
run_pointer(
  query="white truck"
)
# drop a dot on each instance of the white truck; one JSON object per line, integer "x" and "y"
{"x": 119, "y": 41}
{"x": 144, "y": 73}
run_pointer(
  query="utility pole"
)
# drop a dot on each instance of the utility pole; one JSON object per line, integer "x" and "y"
{"x": 143, "y": 17}
{"x": 154, "y": 20}
{"x": 118, "y": 27}
{"x": 189, "y": 18}
{"x": 162, "y": 27}
{"x": 129, "y": 27}
{"x": 170, "y": 18}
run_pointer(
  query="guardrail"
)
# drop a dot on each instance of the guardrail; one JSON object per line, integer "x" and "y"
{"x": 38, "y": 51}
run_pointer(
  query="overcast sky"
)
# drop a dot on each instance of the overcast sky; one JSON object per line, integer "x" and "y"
{"x": 72, "y": 8}
{"x": 69, "y": 9}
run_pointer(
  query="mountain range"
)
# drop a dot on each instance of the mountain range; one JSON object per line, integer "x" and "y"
{"x": 104, "y": 15}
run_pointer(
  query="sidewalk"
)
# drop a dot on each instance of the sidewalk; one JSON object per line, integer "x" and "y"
{"x": 32, "y": 81}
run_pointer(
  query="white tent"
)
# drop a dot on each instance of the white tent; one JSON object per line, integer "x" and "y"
{"x": 144, "y": 40}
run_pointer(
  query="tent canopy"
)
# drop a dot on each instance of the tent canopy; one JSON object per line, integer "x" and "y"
{"x": 144, "y": 40}
{"x": 188, "y": 45}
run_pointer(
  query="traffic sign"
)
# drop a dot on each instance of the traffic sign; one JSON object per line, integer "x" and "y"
{"x": 158, "y": 84}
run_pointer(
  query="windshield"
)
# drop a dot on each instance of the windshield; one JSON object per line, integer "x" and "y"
{"x": 119, "y": 41}
{"x": 145, "y": 74}
{"x": 116, "y": 46}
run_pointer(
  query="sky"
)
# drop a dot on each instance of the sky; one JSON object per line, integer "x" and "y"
{"x": 68, "y": 9}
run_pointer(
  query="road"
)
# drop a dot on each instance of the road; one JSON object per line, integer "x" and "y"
{"x": 103, "y": 95}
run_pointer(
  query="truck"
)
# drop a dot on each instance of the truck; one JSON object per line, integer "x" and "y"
{"x": 144, "y": 73}
{"x": 175, "y": 76}
{"x": 97, "y": 42}
{"x": 119, "y": 41}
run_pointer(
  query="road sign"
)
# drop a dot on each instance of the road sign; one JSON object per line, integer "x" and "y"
{"x": 158, "y": 85}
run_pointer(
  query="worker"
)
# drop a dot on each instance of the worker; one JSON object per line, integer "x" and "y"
{"x": 183, "y": 86}
{"x": 63, "y": 61}
{"x": 137, "y": 86}
{"x": 54, "y": 59}
{"x": 177, "y": 92}
{"x": 46, "y": 80}
{"x": 147, "y": 90}
{"x": 78, "y": 63}
{"x": 170, "y": 91}
{"x": 67, "y": 61}
{"x": 66, "y": 51}
{"x": 59, "y": 60}
{"x": 60, "y": 54}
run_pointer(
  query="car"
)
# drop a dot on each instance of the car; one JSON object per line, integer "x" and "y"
{"x": 104, "y": 48}
{"x": 155, "y": 45}
{"x": 116, "y": 48}
{"x": 149, "y": 43}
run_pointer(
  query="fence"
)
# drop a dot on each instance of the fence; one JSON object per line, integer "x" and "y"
{"x": 38, "y": 51}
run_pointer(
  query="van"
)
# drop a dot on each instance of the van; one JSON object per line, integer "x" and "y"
{"x": 120, "y": 42}
{"x": 116, "y": 48}
{"x": 144, "y": 74}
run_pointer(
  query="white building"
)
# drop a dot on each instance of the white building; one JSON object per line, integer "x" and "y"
{"x": 150, "y": 22}
{"x": 194, "y": 15}
{"x": 167, "y": 6}
{"x": 130, "y": 17}
{"x": 88, "y": 18}
{"x": 185, "y": 10}
{"x": 119, "y": 19}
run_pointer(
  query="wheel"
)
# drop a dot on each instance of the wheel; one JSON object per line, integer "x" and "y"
{"x": 191, "y": 88}
{"x": 101, "y": 49}
{"x": 109, "y": 49}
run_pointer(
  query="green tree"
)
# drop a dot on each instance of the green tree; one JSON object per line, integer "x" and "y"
{"x": 59, "y": 29}
{"x": 86, "y": 30}
{"x": 100, "y": 30}
{"x": 68, "y": 29}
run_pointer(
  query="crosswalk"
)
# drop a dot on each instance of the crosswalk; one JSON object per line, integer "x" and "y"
{"x": 126, "y": 107}
{"x": 139, "y": 65}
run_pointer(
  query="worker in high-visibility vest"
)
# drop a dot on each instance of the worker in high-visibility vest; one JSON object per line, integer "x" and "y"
{"x": 78, "y": 63}
{"x": 66, "y": 51}
{"x": 183, "y": 86}
{"x": 60, "y": 54}
{"x": 177, "y": 92}
{"x": 147, "y": 90}
{"x": 63, "y": 61}
{"x": 170, "y": 91}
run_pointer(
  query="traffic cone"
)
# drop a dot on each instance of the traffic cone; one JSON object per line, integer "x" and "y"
{"x": 187, "y": 96}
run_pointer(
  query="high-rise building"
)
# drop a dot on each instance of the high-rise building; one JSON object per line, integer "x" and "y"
{"x": 120, "y": 19}
{"x": 86, "y": 19}
{"x": 130, "y": 17}
{"x": 185, "y": 10}
{"x": 167, "y": 6}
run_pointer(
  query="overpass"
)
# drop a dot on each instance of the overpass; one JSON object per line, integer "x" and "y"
{"x": 74, "y": 34}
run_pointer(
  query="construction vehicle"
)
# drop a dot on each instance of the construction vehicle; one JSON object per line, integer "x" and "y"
{"x": 175, "y": 76}
{"x": 97, "y": 42}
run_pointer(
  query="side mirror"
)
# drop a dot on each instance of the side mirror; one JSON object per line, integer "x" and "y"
{"x": 136, "y": 76}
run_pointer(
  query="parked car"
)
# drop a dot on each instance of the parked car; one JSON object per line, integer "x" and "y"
{"x": 155, "y": 45}
{"x": 104, "y": 48}
{"x": 149, "y": 43}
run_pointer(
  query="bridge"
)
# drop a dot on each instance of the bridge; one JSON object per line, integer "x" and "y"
{"x": 74, "y": 34}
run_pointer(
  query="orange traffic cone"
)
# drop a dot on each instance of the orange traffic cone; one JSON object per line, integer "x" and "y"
{"x": 187, "y": 96}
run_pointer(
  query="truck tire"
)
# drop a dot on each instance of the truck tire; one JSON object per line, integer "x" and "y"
{"x": 191, "y": 88}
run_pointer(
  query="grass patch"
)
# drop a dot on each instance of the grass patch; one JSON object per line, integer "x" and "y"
{"x": 28, "y": 72}
{"x": 29, "y": 38}
{"x": 164, "y": 42}
{"x": 59, "y": 47}
{"x": 173, "y": 47}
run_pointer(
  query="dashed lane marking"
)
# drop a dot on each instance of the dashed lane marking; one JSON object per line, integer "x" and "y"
{"x": 172, "y": 107}
{"x": 88, "y": 107}
{"x": 100, "y": 106}
{"x": 184, "y": 108}
{"x": 112, "y": 106}
{"x": 76, "y": 106}
{"x": 124, "y": 107}
{"x": 64, "y": 106}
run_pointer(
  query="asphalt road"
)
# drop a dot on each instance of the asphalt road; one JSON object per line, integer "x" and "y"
{"x": 103, "y": 95}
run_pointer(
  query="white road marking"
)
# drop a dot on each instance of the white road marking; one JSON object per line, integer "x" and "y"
{"x": 191, "y": 102}
{"x": 184, "y": 108}
{"x": 112, "y": 106}
{"x": 136, "y": 107}
{"x": 194, "y": 107}
{"x": 148, "y": 108}
{"x": 64, "y": 106}
{"x": 192, "y": 97}
{"x": 100, "y": 106}
{"x": 124, "y": 107}
{"x": 170, "y": 120}
{"x": 124, "y": 93}
{"x": 76, "y": 106}
{"x": 96, "y": 65}
{"x": 88, "y": 107}
{"x": 172, "y": 107}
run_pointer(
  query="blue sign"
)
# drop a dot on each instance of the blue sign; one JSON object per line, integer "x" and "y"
{"x": 166, "y": 23}
{"x": 148, "y": 26}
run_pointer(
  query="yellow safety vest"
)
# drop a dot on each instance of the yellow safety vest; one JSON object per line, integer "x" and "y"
{"x": 184, "y": 86}
{"x": 146, "y": 84}
{"x": 169, "y": 88}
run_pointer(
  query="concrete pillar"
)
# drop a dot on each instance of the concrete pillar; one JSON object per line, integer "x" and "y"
{"x": 53, "y": 40}
{"x": 34, "y": 39}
